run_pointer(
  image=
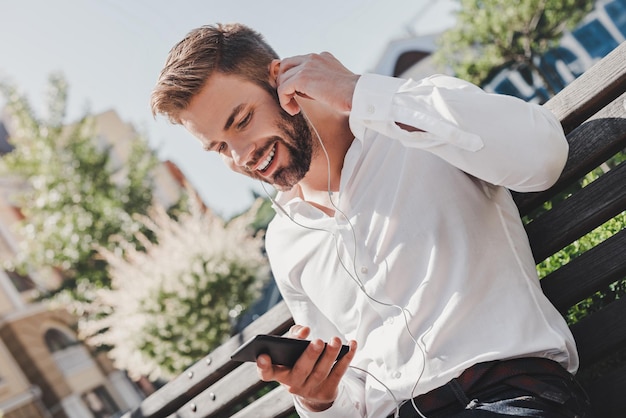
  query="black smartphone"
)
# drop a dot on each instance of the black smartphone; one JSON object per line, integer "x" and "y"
{"x": 283, "y": 351}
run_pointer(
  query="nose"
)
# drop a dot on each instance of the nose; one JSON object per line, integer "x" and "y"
{"x": 241, "y": 152}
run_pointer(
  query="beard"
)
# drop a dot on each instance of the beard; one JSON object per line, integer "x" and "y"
{"x": 298, "y": 140}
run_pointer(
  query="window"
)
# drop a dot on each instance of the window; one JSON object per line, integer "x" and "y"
{"x": 22, "y": 283}
{"x": 595, "y": 39}
{"x": 57, "y": 340}
{"x": 617, "y": 12}
{"x": 100, "y": 402}
{"x": 551, "y": 63}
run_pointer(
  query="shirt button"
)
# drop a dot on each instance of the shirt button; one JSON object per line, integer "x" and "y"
{"x": 389, "y": 320}
{"x": 364, "y": 270}
{"x": 371, "y": 109}
{"x": 396, "y": 375}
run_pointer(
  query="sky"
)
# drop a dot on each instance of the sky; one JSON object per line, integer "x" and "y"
{"x": 111, "y": 52}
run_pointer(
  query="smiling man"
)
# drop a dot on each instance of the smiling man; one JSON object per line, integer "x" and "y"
{"x": 395, "y": 230}
{"x": 246, "y": 127}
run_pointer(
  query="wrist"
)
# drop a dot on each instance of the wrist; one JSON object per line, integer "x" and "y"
{"x": 314, "y": 406}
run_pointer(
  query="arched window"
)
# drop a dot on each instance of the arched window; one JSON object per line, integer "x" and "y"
{"x": 57, "y": 340}
{"x": 407, "y": 59}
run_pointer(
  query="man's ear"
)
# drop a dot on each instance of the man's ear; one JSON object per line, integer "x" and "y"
{"x": 274, "y": 69}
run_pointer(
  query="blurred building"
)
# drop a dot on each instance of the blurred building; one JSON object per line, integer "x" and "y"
{"x": 45, "y": 371}
{"x": 598, "y": 34}
{"x": 113, "y": 132}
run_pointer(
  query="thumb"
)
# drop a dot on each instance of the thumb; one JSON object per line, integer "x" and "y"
{"x": 264, "y": 367}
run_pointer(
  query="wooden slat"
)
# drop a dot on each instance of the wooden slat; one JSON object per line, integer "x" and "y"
{"x": 607, "y": 395}
{"x": 591, "y": 91}
{"x": 211, "y": 368}
{"x": 590, "y": 145}
{"x": 222, "y": 396}
{"x": 581, "y": 213}
{"x": 588, "y": 273}
{"x": 276, "y": 404}
{"x": 601, "y": 333}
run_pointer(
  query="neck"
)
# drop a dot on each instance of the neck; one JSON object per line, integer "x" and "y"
{"x": 334, "y": 132}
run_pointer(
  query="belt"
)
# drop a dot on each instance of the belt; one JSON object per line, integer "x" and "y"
{"x": 515, "y": 372}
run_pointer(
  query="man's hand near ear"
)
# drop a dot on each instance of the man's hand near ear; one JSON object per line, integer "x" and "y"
{"x": 319, "y": 77}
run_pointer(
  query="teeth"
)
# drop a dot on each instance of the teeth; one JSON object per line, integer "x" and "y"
{"x": 268, "y": 160}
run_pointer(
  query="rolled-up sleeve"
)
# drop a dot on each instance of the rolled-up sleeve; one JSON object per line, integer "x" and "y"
{"x": 499, "y": 139}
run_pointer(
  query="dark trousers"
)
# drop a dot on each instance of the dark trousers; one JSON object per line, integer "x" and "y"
{"x": 528, "y": 387}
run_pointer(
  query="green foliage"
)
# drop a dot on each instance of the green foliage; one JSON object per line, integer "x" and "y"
{"x": 264, "y": 215}
{"x": 74, "y": 200}
{"x": 194, "y": 318}
{"x": 176, "y": 300}
{"x": 490, "y": 35}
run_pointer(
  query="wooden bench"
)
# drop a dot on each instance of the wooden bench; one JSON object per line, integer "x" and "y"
{"x": 593, "y": 113}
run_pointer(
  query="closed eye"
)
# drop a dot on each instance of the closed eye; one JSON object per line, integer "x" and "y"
{"x": 219, "y": 147}
{"x": 245, "y": 121}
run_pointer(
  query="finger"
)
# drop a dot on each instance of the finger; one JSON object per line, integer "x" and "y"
{"x": 306, "y": 363}
{"x": 299, "y": 331}
{"x": 325, "y": 362}
{"x": 287, "y": 100}
{"x": 319, "y": 77}
{"x": 264, "y": 367}
{"x": 268, "y": 371}
{"x": 340, "y": 368}
{"x": 290, "y": 62}
{"x": 291, "y": 83}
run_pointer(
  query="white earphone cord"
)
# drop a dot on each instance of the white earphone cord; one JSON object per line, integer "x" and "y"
{"x": 355, "y": 277}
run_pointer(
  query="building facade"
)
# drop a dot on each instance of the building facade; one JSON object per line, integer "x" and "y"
{"x": 45, "y": 370}
{"x": 601, "y": 31}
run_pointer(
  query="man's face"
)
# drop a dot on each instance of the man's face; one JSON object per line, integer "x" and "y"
{"x": 246, "y": 125}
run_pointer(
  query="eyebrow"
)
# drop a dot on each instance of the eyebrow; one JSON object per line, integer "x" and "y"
{"x": 229, "y": 122}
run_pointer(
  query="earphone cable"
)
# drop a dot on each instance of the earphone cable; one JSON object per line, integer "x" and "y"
{"x": 356, "y": 278}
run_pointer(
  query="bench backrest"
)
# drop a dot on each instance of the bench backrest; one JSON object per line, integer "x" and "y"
{"x": 592, "y": 110}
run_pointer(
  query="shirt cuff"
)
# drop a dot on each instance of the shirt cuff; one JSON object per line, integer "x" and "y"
{"x": 342, "y": 407}
{"x": 373, "y": 96}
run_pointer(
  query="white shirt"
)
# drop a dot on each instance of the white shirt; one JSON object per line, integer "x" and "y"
{"x": 431, "y": 227}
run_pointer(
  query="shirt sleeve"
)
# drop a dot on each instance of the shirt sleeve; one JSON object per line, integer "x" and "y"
{"x": 497, "y": 138}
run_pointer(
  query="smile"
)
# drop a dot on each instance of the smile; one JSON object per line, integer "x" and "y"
{"x": 268, "y": 160}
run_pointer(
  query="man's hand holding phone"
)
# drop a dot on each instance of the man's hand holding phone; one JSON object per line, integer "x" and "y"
{"x": 315, "y": 376}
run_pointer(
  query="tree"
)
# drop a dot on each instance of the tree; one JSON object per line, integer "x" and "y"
{"x": 491, "y": 35}
{"x": 176, "y": 301}
{"x": 72, "y": 204}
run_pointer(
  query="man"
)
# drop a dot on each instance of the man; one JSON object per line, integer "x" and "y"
{"x": 395, "y": 229}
